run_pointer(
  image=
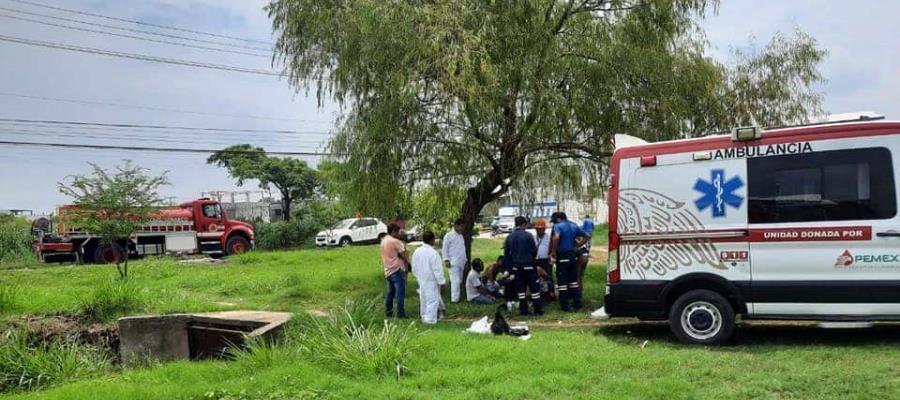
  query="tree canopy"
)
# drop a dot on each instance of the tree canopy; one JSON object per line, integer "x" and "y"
{"x": 293, "y": 179}
{"x": 113, "y": 204}
{"x": 493, "y": 94}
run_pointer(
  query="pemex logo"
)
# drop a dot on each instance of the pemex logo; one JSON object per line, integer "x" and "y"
{"x": 844, "y": 260}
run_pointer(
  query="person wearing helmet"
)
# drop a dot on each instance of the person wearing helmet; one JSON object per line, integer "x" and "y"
{"x": 545, "y": 268}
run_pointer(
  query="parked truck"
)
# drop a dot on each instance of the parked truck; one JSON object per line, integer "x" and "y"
{"x": 194, "y": 227}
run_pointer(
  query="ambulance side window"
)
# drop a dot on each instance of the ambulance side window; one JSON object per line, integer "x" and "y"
{"x": 841, "y": 185}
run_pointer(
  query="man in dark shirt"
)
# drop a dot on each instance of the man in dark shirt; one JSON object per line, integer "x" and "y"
{"x": 565, "y": 242}
{"x": 520, "y": 252}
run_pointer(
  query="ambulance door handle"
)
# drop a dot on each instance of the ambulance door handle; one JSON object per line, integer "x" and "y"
{"x": 891, "y": 233}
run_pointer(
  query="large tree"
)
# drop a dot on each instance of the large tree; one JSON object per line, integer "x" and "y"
{"x": 493, "y": 94}
{"x": 292, "y": 177}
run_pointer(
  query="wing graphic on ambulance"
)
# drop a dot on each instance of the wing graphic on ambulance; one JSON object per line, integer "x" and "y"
{"x": 643, "y": 211}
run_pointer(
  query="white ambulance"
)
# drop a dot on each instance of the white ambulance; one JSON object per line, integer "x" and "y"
{"x": 793, "y": 223}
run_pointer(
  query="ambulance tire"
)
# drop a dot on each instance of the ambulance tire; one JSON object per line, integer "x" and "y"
{"x": 702, "y": 317}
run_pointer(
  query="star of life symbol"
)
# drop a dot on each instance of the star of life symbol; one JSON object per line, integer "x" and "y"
{"x": 718, "y": 193}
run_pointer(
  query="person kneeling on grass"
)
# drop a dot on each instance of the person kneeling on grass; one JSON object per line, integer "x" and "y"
{"x": 426, "y": 266}
{"x": 475, "y": 290}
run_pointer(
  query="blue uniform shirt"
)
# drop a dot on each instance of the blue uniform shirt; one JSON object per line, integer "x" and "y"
{"x": 519, "y": 250}
{"x": 567, "y": 231}
{"x": 588, "y": 226}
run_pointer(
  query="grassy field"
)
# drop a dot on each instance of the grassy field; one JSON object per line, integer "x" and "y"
{"x": 567, "y": 356}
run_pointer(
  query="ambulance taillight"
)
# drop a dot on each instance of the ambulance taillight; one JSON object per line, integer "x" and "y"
{"x": 612, "y": 265}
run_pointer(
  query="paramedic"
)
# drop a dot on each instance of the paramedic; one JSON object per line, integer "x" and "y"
{"x": 426, "y": 266}
{"x": 395, "y": 261}
{"x": 454, "y": 251}
{"x": 562, "y": 248}
{"x": 542, "y": 240}
{"x": 505, "y": 286}
{"x": 519, "y": 253}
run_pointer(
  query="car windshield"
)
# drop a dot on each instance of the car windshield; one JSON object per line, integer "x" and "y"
{"x": 345, "y": 224}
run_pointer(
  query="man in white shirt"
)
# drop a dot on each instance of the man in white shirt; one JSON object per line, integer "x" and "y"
{"x": 426, "y": 266}
{"x": 454, "y": 251}
{"x": 475, "y": 290}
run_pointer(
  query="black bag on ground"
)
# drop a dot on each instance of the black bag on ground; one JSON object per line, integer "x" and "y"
{"x": 499, "y": 326}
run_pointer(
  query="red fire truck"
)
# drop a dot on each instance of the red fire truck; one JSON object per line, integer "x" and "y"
{"x": 198, "y": 226}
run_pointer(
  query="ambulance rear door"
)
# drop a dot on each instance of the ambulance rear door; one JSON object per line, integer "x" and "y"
{"x": 683, "y": 213}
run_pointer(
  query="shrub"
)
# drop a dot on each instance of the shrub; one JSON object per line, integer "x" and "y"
{"x": 353, "y": 339}
{"x": 111, "y": 299}
{"x": 24, "y": 367}
{"x": 308, "y": 219}
{"x": 15, "y": 240}
{"x": 9, "y": 298}
{"x": 283, "y": 235}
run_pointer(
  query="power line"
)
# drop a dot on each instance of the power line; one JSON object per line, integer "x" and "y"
{"x": 155, "y": 139}
{"x": 141, "y": 31}
{"x": 164, "y": 134}
{"x": 159, "y": 149}
{"x": 132, "y": 36}
{"x": 138, "y": 22}
{"x": 171, "y": 110}
{"x": 134, "y": 56}
{"x": 187, "y": 128}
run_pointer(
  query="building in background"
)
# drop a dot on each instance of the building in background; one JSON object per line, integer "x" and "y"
{"x": 248, "y": 205}
{"x": 575, "y": 209}
{"x": 17, "y": 212}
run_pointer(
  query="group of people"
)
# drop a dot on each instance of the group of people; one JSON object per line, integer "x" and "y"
{"x": 523, "y": 274}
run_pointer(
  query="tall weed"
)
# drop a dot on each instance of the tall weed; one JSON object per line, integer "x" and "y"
{"x": 24, "y": 367}
{"x": 112, "y": 298}
{"x": 9, "y": 298}
{"x": 15, "y": 241}
{"x": 353, "y": 339}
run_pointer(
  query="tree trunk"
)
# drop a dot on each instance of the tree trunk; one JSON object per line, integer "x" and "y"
{"x": 286, "y": 206}
{"x": 476, "y": 198}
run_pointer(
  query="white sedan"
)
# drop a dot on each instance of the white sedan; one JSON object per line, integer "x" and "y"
{"x": 352, "y": 231}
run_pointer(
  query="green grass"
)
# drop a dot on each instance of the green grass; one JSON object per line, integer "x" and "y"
{"x": 27, "y": 367}
{"x": 565, "y": 357}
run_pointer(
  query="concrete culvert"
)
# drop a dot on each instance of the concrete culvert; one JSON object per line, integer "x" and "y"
{"x": 194, "y": 336}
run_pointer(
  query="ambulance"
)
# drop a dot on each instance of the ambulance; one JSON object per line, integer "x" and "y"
{"x": 795, "y": 223}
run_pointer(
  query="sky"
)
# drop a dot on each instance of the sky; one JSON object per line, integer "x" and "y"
{"x": 860, "y": 40}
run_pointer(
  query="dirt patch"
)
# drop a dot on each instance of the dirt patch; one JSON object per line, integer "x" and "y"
{"x": 315, "y": 312}
{"x": 598, "y": 255}
{"x": 55, "y": 328}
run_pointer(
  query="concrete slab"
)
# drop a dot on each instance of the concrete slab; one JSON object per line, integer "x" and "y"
{"x": 193, "y": 336}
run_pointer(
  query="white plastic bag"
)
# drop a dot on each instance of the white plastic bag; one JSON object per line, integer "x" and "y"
{"x": 481, "y": 326}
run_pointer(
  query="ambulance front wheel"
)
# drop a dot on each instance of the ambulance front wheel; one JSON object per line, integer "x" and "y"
{"x": 702, "y": 317}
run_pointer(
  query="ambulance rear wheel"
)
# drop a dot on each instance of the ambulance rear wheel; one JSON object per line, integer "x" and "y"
{"x": 702, "y": 317}
{"x": 109, "y": 253}
{"x": 237, "y": 245}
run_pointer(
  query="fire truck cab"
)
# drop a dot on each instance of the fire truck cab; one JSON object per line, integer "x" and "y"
{"x": 198, "y": 226}
{"x": 793, "y": 223}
